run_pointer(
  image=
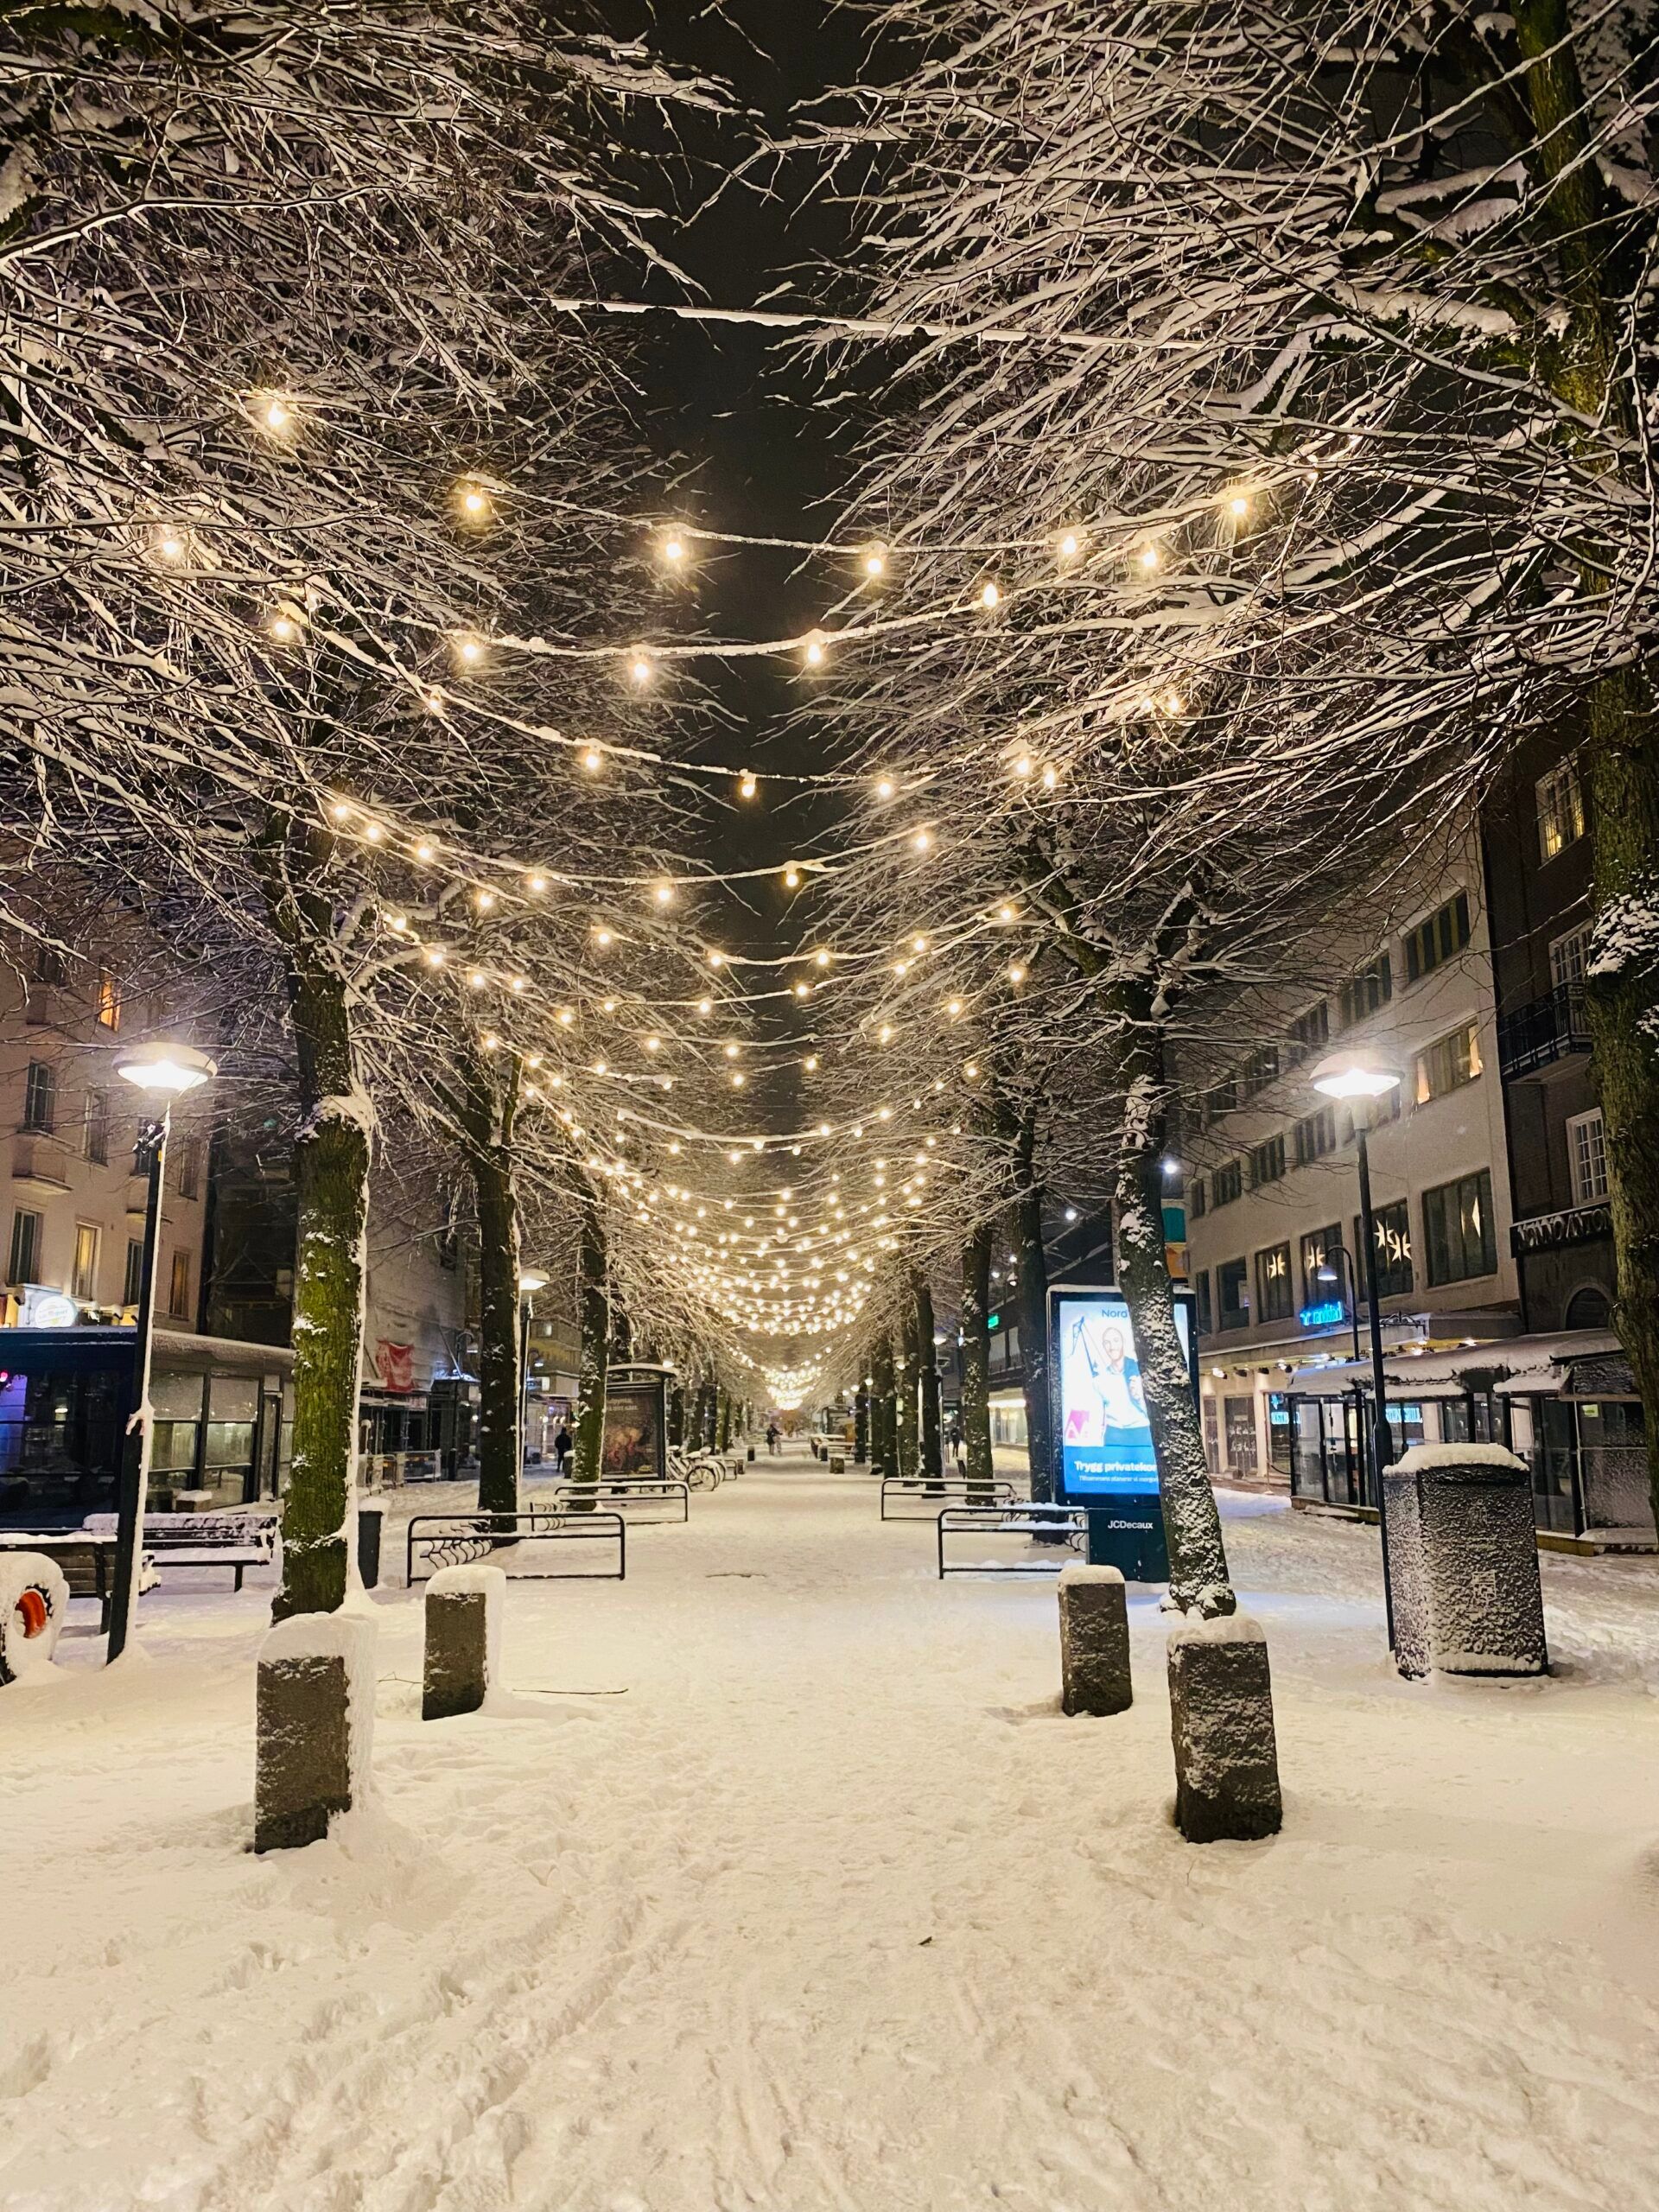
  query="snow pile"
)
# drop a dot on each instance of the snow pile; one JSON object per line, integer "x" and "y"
{"x": 1426, "y": 1458}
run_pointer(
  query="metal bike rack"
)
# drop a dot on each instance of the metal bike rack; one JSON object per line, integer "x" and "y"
{"x": 464, "y": 1539}
{"x": 952, "y": 1488}
{"x": 1026, "y": 1521}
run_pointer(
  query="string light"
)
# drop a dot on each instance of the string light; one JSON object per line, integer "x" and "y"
{"x": 745, "y": 784}
{"x": 990, "y": 593}
{"x": 640, "y": 669}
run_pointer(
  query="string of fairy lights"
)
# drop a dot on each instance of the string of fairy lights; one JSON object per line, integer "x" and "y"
{"x": 795, "y": 1262}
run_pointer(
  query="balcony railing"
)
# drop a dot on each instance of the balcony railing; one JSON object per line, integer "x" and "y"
{"x": 1546, "y": 1030}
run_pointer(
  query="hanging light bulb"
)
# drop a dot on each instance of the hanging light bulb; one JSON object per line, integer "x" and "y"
{"x": 814, "y": 649}
{"x": 745, "y": 784}
{"x": 593, "y": 760}
{"x": 792, "y": 876}
{"x": 640, "y": 669}
{"x": 990, "y": 593}
{"x": 875, "y": 563}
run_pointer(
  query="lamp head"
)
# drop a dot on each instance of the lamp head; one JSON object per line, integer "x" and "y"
{"x": 1356, "y": 1074}
{"x": 166, "y": 1071}
{"x": 532, "y": 1279}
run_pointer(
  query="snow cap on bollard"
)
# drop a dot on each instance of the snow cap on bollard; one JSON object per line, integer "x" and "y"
{"x": 1220, "y": 1723}
{"x": 1094, "y": 1640}
{"x": 313, "y": 1726}
{"x": 463, "y": 1640}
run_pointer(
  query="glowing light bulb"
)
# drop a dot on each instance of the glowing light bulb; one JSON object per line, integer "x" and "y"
{"x": 477, "y": 979}
{"x": 663, "y": 894}
{"x": 953, "y": 1007}
{"x": 593, "y": 760}
{"x": 705, "y": 1006}
{"x": 815, "y": 653}
{"x": 989, "y": 595}
{"x": 716, "y": 959}
{"x": 922, "y": 841}
{"x": 738, "y": 1081}
{"x": 1051, "y": 777}
{"x": 275, "y": 414}
{"x": 284, "y": 629}
{"x": 1070, "y": 545}
{"x": 537, "y": 883}
{"x": 1006, "y": 913}
{"x": 674, "y": 551}
{"x": 434, "y": 957}
{"x": 640, "y": 669}
{"x": 603, "y": 936}
{"x": 884, "y": 788}
{"x": 519, "y": 984}
{"x": 469, "y": 650}
{"x": 810, "y": 1062}
{"x": 1239, "y": 505}
{"x": 746, "y": 785}
{"x": 875, "y": 563}
{"x": 1016, "y": 974}
{"x": 171, "y": 546}
{"x": 1023, "y": 766}
{"x": 486, "y": 901}
{"x": 567, "y": 1015}
{"x": 802, "y": 990}
{"x": 653, "y": 1044}
{"x": 1150, "y": 558}
{"x": 792, "y": 876}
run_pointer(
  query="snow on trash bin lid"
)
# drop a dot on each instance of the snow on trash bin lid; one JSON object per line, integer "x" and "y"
{"x": 1473, "y": 1462}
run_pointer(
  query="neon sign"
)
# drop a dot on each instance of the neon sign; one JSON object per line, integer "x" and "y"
{"x": 1330, "y": 1315}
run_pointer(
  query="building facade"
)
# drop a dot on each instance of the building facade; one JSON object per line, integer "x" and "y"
{"x": 1270, "y": 1184}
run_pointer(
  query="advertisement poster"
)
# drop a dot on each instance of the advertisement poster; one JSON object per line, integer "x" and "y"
{"x": 634, "y": 1430}
{"x": 1105, "y": 1438}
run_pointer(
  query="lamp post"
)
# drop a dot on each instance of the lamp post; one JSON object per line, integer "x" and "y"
{"x": 1360, "y": 1078}
{"x": 530, "y": 1280}
{"x": 162, "y": 1073}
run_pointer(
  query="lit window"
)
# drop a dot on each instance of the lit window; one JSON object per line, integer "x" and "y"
{"x": 178, "y": 1293}
{"x": 109, "y": 1003}
{"x": 83, "y": 1280}
{"x": 1586, "y": 1158}
{"x": 1561, "y": 809}
{"x": 1448, "y": 1064}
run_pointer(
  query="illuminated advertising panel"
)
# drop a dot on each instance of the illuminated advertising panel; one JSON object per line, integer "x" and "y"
{"x": 1105, "y": 1438}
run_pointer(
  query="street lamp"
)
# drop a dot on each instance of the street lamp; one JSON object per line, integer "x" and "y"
{"x": 1360, "y": 1078}
{"x": 163, "y": 1072}
{"x": 530, "y": 1280}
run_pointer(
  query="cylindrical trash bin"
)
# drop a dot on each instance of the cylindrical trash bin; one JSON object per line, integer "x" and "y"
{"x": 370, "y": 1519}
{"x": 1466, "y": 1561}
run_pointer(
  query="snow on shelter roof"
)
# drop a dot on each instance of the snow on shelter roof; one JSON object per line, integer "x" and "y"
{"x": 1513, "y": 1366}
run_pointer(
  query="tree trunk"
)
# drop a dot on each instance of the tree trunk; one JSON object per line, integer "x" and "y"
{"x": 500, "y": 1380}
{"x": 1622, "y": 986}
{"x": 932, "y": 1436}
{"x": 677, "y": 1416}
{"x": 1032, "y": 1259}
{"x": 862, "y": 1426}
{"x": 907, "y": 1377}
{"x": 1197, "y": 1557}
{"x": 976, "y": 1364}
{"x": 882, "y": 1411}
{"x": 592, "y": 1263}
{"x": 724, "y": 1422}
{"x": 331, "y": 1177}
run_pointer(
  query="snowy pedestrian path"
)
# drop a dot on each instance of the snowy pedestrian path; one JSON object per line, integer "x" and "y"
{"x": 832, "y": 1911}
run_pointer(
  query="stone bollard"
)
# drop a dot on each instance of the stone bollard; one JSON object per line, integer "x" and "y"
{"x": 371, "y": 1524}
{"x": 1220, "y": 1718}
{"x": 1463, "y": 1562}
{"x": 463, "y": 1639}
{"x": 1094, "y": 1641}
{"x": 837, "y": 1463}
{"x": 313, "y": 1726}
{"x": 34, "y": 1600}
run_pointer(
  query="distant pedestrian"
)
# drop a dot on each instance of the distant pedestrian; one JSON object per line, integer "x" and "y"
{"x": 562, "y": 1448}
{"x": 772, "y": 1438}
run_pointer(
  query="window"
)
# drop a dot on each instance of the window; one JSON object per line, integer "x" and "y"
{"x": 132, "y": 1287}
{"x": 95, "y": 1128}
{"x": 190, "y": 1168}
{"x": 178, "y": 1292}
{"x": 1260, "y": 1069}
{"x": 1567, "y": 957}
{"x": 108, "y": 1002}
{"x": 1586, "y": 1158}
{"x": 1197, "y": 1199}
{"x": 1308, "y": 1032}
{"x": 1201, "y": 1286}
{"x": 39, "y": 1097}
{"x": 1458, "y": 1228}
{"x": 1393, "y": 1225}
{"x": 25, "y": 1262}
{"x": 1226, "y": 1183}
{"x": 1267, "y": 1162}
{"x": 1438, "y": 939}
{"x": 1316, "y": 1136}
{"x": 1364, "y": 994}
{"x": 1448, "y": 1065}
{"x": 1561, "y": 809}
{"x": 48, "y": 963}
{"x": 1231, "y": 1295}
{"x": 1273, "y": 1298}
{"x": 83, "y": 1281}
{"x": 1319, "y": 1249}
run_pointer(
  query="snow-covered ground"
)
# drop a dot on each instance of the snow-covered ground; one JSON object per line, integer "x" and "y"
{"x": 830, "y": 1907}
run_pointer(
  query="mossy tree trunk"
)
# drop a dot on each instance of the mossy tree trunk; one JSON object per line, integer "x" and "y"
{"x": 908, "y": 1375}
{"x": 882, "y": 1411}
{"x": 594, "y": 1311}
{"x": 976, "y": 1365}
{"x": 862, "y": 1426}
{"x": 331, "y": 1154}
{"x": 485, "y": 1105}
{"x": 931, "y": 1447}
{"x": 1575, "y": 213}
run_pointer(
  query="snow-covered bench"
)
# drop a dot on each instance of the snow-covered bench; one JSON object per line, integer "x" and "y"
{"x": 233, "y": 1540}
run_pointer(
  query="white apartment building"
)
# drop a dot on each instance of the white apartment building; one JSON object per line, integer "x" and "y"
{"x": 1271, "y": 1198}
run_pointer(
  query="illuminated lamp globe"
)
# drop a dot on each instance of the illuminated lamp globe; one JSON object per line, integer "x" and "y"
{"x": 168, "y": 1070}
{"x": 1355, "y": 1074}
{"x": 531, "y": 1278}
